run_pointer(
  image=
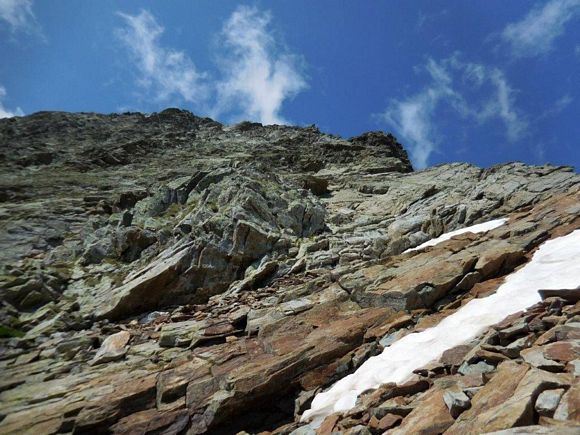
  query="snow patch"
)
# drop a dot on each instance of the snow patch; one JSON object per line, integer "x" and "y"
{"x": 555, "y": 265}
{"x": 479, "y": 228}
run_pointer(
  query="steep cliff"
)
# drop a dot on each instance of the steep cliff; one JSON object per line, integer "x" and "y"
{"x": 166, "y": 273}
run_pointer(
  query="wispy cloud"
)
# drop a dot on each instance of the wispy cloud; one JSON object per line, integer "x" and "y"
{"x": 501, "y": 105}
{"x": 539, "y": 152}
{"x": 563, "y": 102}
{"x": 259, "y": 74}
{"x": 165, "y": 74}
{"x": 413, "y": 117}
{"x": 429, "y": 18}
{"x": 19, "y": 17}
{"x": 4, "y": 112}
{"x": 558, "y": 107}
{"x": 536, "y": 32}
{"x": 450, "y": 81}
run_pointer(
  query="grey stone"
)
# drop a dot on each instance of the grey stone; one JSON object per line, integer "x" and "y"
{"x": 390, "y": 338}
{"x": 304, "y": 430}
{"x": 548, "y": 401}
{"x": 358, "y": 430}
{"x": 257, "y": 319}
{"x": 179, "y": 334}
{"x": 456, "y": 401}
{"x": 303, "y": 401}
{"x": 152, "y": 316}
{"x": 535, "y": 357}
{"x": 475, "y": 369}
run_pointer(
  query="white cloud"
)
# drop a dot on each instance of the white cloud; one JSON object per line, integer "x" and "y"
{"x": 18, "y": 15}
{"x": 4, "y": 112}
{"x": 165, "y": 73}
{"x": 501, "y": 105}
{"x": 429, "y": 18}
{"x": 536, "y": 32}
{"x": 413, "y": 117}
{"x": 558, "y": 107}
{"x": 563, "y": 102}
{"x": 258, "y": 76}
{"x": 450, "y": 81}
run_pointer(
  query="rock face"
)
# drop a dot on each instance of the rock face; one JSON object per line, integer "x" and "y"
{"x": 165, "y": 273}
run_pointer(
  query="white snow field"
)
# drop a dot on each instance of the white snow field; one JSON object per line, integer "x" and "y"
{"x": 555, "y": 265}
{"x": 479, "y": 228}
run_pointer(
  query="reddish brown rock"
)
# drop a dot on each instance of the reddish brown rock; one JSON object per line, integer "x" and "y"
{"x": 490, "y": 356}
{"x": 327, "y": 426}
{"x": 486, "y": 288}
{"x": 571, "y": 295}
{"x": 397, "y": 405}
{"x": 152, "y": 421}
{"x": 128, "y": 396}
{"x": 218, "y": 329}
{"x": 429, "y": 321}
{"x": 173, "y": 383}
{"x": 492, "y": 396}
{"x": 563, "y": 351}
{"x": 454, "y": 356}
{"x": 431, "y": 415}
{"x": 559, "y": 333}
{"x": 420, "y": 286}
{"x": 432, "y": 368}
{"x": 390, "y": 390}
{"x": 507, "y": 400}
{"x": 397, "y": 321}
{"x": 387, "y": 422}
{"x": 497, "y": 256}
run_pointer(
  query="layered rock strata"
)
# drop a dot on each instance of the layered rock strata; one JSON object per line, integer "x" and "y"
{"x": 165, "y": 273}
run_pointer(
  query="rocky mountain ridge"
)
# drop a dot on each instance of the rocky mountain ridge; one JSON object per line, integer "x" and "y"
{"x": 165, "y": 273}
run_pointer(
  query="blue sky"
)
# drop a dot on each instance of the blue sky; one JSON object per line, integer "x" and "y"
{"x": 482, "y": 82}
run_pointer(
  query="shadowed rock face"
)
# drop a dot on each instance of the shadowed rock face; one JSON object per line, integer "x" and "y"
{"x": 166, "y": 273}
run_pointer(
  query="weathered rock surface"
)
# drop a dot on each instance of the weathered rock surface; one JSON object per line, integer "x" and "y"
{"x": 165, "y": 273}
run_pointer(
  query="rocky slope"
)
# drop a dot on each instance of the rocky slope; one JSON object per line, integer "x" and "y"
{"x": 165, "y": 273}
